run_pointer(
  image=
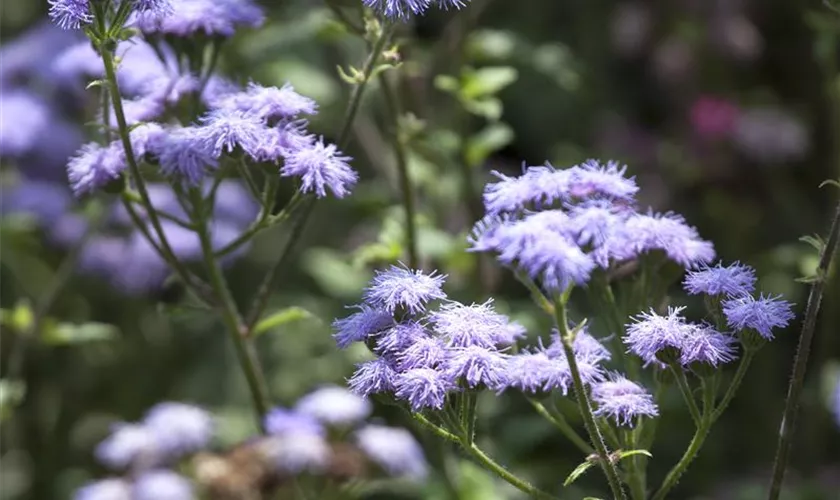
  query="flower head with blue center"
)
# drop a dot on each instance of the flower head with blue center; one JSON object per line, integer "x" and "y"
{"x": 732, "y": 280}
{"x": 402, "y": 288}
{"x": 622, "y": 400}
{"x": 763, "y": 314}
{"x": 394, "y": 450}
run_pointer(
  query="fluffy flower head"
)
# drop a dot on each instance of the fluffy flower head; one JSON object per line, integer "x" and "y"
{"x": 763, "y": 314}
{"x": 393, "y": 449}
{"x": 334, "y": 405}
{"x": 622, "y": 400}
{"x": 320, "y": 167}
{"x": 401, "y": 288}
{"x": 734, "y": 279}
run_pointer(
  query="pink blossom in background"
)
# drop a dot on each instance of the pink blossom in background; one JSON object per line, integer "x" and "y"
{"x": 713, "y": 118}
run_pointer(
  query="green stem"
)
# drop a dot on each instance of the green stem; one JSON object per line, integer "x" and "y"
{"x": 487, "y": 462}
{"x": 393, "y": 105}
{"x": 563, "y": 425}
{"x": 694, "y": 446}
{"x": 636, "y": 474}
{"x": 114, "y": 90}
{"x": 800, "y": 363}
{"x": 584, "y": 405}
{"x": 734, "y": 385}
{"x": 685, "y": 389}
{"x": 245, "y": 351}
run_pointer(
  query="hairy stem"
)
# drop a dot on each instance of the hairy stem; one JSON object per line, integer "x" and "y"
{"x": 394, "y": 110}
{"x": 584, "y": 405}
{"x": 685, "y": 390}
{"x": 563, "y": 425}
{"x": 245, "y": 352}
{"x": 800, "y": 363}
{"x": 743, "y": 366}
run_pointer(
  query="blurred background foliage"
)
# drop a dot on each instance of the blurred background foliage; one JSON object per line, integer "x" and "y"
{"x": 725, "y": 111}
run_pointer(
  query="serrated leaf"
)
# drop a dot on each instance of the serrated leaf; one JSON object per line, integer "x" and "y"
{"x": 12, "y": 393}
{"x": 69, "y": 333}
{"x": 282, "y": 317}
{"x": 579, "y": 470}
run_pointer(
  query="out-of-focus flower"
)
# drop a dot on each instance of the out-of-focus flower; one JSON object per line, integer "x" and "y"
{"x": 771, "y": 135}
{"x": 161, "y": 485}
{"x": 673, "y": 60}
{"x": 280, "y": 422}
{"x": 736, "y": 37}
{"x": 630, "y": 27}
{"x": 393, "y": 449}
{"x": 334, "y": 405}
{"x": 129, "y": 444}
{"x": 179, "y": 428}
{"x": 208, "y": 17}
{"x": 713, "y": 118}
{"x": 24, "y": 120}
{"x": 107, "y": 489}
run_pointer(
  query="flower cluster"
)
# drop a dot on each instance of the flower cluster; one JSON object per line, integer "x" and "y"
{"x": 559, "y": 225}
{"x": 424, "y": 354}
{"x": 73, "y": 14}
{"x": 169, "y": 432}
{"x": 404, "y": 9}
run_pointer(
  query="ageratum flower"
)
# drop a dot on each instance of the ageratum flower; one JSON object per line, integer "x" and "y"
{"x": 179, "y": 428}
{"x": 161, "y": 484}
{"x": 762, "y": 314}
{"x": 187, "y": 18}
{"x": 94, "y": 167}
{"x": 477, "y": 366}
{"x": 107, "y": 489}
{"x": 474, "y": 325}
{"x": 334, "y": 405}
{"x": 422, "y": 388}
{"x": 70, "y": 14}
{"x": 835, "y": 400}
{"x": 23, "y": 122}
{"x": 653, "y": 336}
{"x": 394, "y": 340}
{"x": 622, "y": 400}
{"x": 732, "y": 280}
{"x": 373, "y": 377}
{"x": 320, "y": 167}
{"x": 668, "y": 232}
{"x": 401, "y": 288}
{"x": 395, "y": 450}
{"x": 427, "y": 352}
{"x": 222, "y": 131}
{"x": 185, "y": 155}
{"x": 268, "y": 103}
{"x": 405, "y": 9}
{"x": 128, "y": 444}
{"x": 295, "y": 453}
{"x": 360, "y": 325}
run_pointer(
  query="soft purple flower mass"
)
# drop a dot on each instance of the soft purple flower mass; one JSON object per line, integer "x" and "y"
{"x": 622, "y": 400}
{"x": 393, "y": 449}
{"x": 191, "y": 17}
{"x": 70, "y": 14}
{"x": 334, "y": 405}
{"x": 161, "y": 485}
{"x": 734, "y": 279}
{"x": 402, "y": 288}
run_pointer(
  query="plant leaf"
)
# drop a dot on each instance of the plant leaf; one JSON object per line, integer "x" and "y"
{"x": 281, "y": 317}
{"x": 579, "y": 470}
{"x": 69, "y": 333}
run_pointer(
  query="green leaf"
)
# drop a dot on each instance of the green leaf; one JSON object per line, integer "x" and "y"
{"x": 830, "y": 182}
{"x": 377, "y": 252}
{"x": 487, "y": 81}
{"x": 815, "y": 241}
{"x": 22, "y": 317}
{"x": 491, "y": 139}
{"x": 579, "y": 470}
{"x": 447, "y": 83}
{"x": 629, "y": 453}
{"x": 68, "y": 333}
{"x": 11, "y": 395}
{"x": 281, "y": 317}
{"x": 489, "y": 108}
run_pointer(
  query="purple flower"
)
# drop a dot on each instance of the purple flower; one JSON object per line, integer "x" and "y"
{"x": 668, "y": 233}
{"x": 23, "y": 123}
{"x": 320, "y": 166}
{"x": 734, "y": 279}
{"x": 528, "y": 371}
{"x": 835, "y": 400}
{"x": 161, "y": 485}
{"x": 128, "y": 444}
{"x": 426, "y": 352}
{"x": 179, "y": 428}
{"x": 538, "y": 245}
{"x": 398, "y": 9}
{"x": 184, "y": 154}
{"x": 395, "y": 450}
{"x": 586, "y": 348}
{"x": 399, "y": 337}
{"x": 477, "y": 366}
{"x": 282, "y": 422}
{"x": 622, "y": 400}
{"x": 402, "y": 288}
{"x": 334, "y": 405}
{"x": 107, "y": 489}
{"x": 594, "y": 179}
{"x": 360, "y": 325}
{"x": 294, "y": 453}
{"x": 652, "y": 334}
{"x": 269, "y": 103}
{"x": 94, "y": 167}
{"x": 476, "y": 324}
{"x": 158, "y": 6}
{"x": 223, "y": 130}
{"x": 209, "y": 17}
{"x": 422, "y": 388}
{"x": 373, "y": 377}
{"x": 70, "y": 14}
{"x": 762, "y": 314}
